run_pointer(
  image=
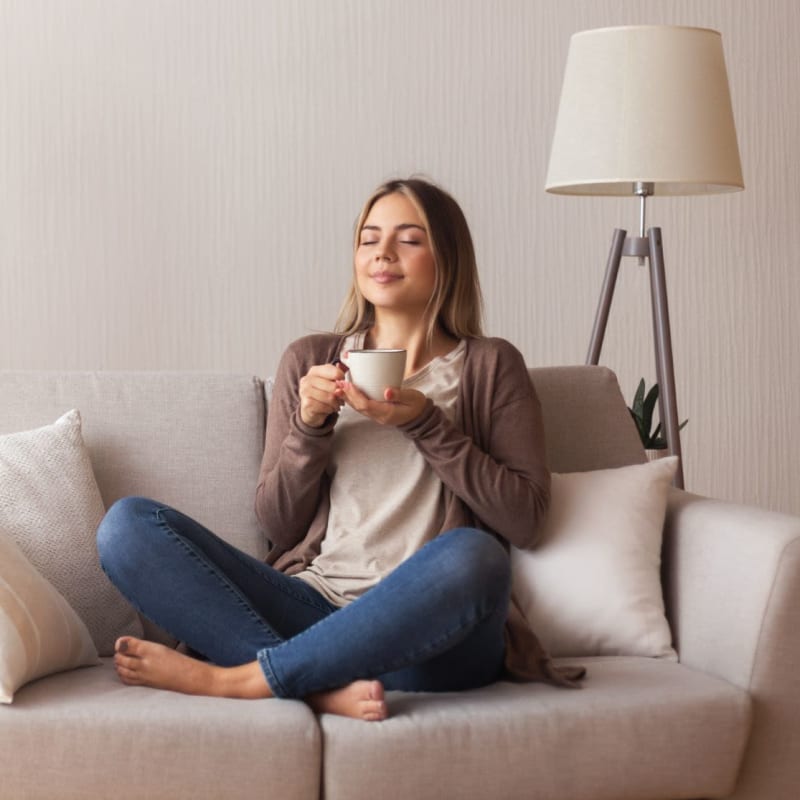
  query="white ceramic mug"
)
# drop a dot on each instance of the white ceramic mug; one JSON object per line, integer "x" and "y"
{"x": 374, "y": 371}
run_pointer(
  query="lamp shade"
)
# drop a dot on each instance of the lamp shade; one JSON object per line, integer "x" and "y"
{"x": 645, "y": 103}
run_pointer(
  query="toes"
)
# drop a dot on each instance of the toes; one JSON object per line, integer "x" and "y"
{"x": 123, "y": 661}
{"x": 376, "y": 691}
{"x": 128, "y": 676}
{"x": 127, "y": 668}
{"x": 127, "y": 663}
{"x": 374, "y": 712}
{"x": 126, "y": 644}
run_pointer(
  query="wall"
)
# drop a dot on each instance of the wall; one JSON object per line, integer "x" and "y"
{"x": 179, "y": 180}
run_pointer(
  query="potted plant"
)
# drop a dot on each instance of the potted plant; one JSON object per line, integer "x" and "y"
{"x": 642, "y": 411}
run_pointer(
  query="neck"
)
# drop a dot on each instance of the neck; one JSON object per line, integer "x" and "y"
{"x": 411, "y": 336}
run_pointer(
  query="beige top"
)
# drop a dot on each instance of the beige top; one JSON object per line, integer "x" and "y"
{"x": 382, "y": 509}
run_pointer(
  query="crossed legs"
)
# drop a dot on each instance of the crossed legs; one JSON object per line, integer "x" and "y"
{"x": 434, "y": 624}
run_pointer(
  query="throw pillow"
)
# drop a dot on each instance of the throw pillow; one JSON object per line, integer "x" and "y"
{"x": 51, "y": 506}
{"x": 593, "y": 586}
{"x": 39, "y": 632}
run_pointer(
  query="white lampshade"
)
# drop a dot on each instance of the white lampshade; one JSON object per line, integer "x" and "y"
{"x": 645, "y": 103}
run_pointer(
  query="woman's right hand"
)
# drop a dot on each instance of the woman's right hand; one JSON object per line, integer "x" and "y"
{"x": 319, "y": 395}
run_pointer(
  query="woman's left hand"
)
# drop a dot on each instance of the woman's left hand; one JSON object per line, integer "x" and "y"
{"x": 398, "y": 407}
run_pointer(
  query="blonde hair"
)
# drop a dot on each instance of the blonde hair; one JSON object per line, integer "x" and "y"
{"x": 456, "y": 302}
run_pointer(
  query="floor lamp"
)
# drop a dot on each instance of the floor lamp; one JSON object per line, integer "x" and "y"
{"x": 645, "y": 110}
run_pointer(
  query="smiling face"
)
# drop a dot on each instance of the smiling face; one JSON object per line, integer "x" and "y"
{"x": 394, "y": 262}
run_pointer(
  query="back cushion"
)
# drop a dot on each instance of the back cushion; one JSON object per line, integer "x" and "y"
{"x": 586, "y": 421}
{"x": 194, "y": 440}
{"x": 191, "y": 440}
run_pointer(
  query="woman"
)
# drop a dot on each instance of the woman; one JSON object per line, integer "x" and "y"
{"x": 389, "y": 520}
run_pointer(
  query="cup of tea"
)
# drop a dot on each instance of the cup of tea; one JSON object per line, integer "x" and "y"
{"x": 374, "y": 371}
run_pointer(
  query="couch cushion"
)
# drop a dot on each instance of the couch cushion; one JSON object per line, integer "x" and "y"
{"x": 51, "y": 506}
{"x": 84, "y": 734}
{"x": 39, "y": 632}
{"x": 640, "y": 728}
{"x": 593, "y": 585}
{"x": 587, "y": 424}
{"x": 192, "y": 440}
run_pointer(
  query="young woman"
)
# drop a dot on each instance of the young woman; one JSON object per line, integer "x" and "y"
{"x": 389, "y": 519}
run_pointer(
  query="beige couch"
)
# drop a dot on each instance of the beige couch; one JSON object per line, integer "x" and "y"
{"x": 724, "y": 721}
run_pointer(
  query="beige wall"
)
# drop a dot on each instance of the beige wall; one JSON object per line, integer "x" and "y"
{"x": 179, "y": 178}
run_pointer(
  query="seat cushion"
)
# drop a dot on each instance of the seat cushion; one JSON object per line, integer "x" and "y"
{"x": 84, "y": 734}
{"x": 639, "y": 728}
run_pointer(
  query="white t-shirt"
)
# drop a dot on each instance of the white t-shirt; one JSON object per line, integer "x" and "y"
{"x": 386, "y": 501}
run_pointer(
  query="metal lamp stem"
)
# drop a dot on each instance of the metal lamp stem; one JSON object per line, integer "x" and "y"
{"x": 646, "y": 246}
{"x": 642, "y": 190}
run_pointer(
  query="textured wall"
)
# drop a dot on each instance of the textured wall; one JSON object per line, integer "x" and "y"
{"x": 179, "y": 179}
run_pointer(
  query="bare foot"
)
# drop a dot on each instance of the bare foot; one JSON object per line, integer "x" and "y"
{"x": 141, "y": 663}
{"x": 359, "y": 700}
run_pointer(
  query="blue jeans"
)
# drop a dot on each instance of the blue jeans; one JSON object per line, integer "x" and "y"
{"x": 434, "y": 624}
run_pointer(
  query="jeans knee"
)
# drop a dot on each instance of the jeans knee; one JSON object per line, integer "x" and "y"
{"x": 114, "y": 532}
{"x": 481, "y": 562}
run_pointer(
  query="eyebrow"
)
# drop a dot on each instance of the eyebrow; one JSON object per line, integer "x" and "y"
{"x": 402, "y": 227}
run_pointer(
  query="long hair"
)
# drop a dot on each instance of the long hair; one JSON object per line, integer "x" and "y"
{"x": 456, "y": 302}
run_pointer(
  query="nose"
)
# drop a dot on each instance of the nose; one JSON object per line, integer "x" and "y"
{"x": 384, "y": 252}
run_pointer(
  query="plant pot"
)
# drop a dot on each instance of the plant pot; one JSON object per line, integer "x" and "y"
{"x": 654, "y": 455}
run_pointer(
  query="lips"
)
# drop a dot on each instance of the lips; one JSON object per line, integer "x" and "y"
{"x": 385, "y": 277}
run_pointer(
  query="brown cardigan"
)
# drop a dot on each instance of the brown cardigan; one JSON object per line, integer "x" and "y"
{"x": 491, "y": 460}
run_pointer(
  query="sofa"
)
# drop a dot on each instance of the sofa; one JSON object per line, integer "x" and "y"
{"x": 720, "y": 720}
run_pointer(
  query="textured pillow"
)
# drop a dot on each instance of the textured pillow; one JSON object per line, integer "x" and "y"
{"x": 39, "y": 632}
{"x": 51, "y": 506}
{"x": 593, "y": 586}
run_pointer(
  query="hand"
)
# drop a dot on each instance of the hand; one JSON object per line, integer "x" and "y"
{"x": 398, "y": 407}
{"x": 320, "y": 396}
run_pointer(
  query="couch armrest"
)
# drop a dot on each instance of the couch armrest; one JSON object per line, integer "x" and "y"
{"x": 732, "y": 589}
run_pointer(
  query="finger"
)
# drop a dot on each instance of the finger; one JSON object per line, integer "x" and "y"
{"x": 400, "y": 396}
{"x": 314, "y": 413}
{"x": 329, "y": 372}
{"x": 376, "y": 410}
{"x": 329, "y": 404}
{"x": 317, "y": 385}
{"x": 318, "y": 403}
{"x": 319, "y": 391}
{"x": 322, "y": 394}
{"x": 354, "y": 396}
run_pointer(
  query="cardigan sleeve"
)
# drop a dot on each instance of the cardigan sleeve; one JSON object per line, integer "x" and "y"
{"x": 295, "y": 456}
{"x": 496, "y": 465}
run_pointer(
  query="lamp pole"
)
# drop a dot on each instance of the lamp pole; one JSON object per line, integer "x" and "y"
{"x": 649, "y": 247}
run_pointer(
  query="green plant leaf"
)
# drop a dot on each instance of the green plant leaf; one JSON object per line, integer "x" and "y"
{"x": 642, "y": 411}
{"x": 638, "y": 401}
{"x": 649, "y": 407}
{"x": 638, "y": 423}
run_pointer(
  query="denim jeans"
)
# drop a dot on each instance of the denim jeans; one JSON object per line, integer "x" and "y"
{"x": 433, "y": 624}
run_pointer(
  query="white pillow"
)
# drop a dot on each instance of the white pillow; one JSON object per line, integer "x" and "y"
{"x": 39, "y": 632}
{"x": 51, "y": 506}
{"x": 593, "y": 586}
